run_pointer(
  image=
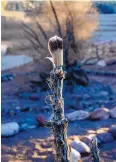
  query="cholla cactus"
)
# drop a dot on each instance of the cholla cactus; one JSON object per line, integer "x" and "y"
{"x": 59, "y": 123}
{"x": 94, "y": 150}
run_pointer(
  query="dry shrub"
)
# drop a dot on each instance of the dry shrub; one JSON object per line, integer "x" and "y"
{"x": 73, "y": 21}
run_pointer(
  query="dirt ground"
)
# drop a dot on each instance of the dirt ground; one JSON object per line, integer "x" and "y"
{"x": 35, "y": 145}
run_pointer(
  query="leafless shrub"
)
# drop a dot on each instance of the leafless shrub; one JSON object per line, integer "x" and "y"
{"x": 72, "y": 21}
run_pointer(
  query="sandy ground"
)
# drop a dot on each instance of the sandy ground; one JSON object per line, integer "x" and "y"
{"x": 36, "y": 145}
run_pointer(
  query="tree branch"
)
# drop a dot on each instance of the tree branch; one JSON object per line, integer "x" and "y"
{"x": 42, "y": 31}
{"x": 56, "y": 18}
{"x": 32, "y": 33}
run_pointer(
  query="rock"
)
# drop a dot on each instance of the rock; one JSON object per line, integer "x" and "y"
{"x": 27, "y": 124}
{"x": 18, "y": 109}
{"x": 9, "y": 129}
{"x": 105, "y": 137}
{"x": 113, "y": 112}
{"x": 40, "y": 119}
{"x": 75, "y": 155}
{"x": 7, "y": 77}
{"x": 101, "y": 63}
{"x": 23, "y": 126}
{"x": 112, "y": 130}
{"x": 77, "y": 115}
{"x": 111, "y": 62}
{"x": 80, "y": 147}
{"x": 80, "y": 77}
{"x": 104, "y": 93}
{"x": 31, "y": 126}
{"x": 25, "y": 109}
{"x": 34, "y": 97}
{"x": 100, "y": 114}
{"x": 4, "y": 49}
{"x": 87, "y": 139}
